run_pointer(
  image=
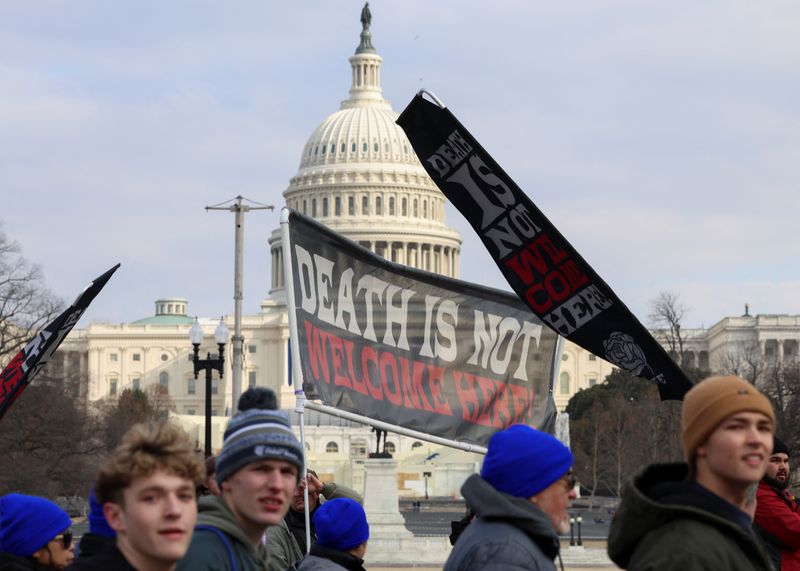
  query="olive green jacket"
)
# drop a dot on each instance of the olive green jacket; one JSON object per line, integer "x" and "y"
{"x": 650, "y": 535}
{"x": 208, "y": 552}
{"x": 283, "y": 548}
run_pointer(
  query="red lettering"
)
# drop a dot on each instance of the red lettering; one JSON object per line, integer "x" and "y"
{"x": 340, "y": 377}
{"x": 573, "y": 274}
{"x": 388, "y": 362}
{"x": 523, "y": 404}
{"x": 537, "y": 298}
{"x": 557, "y": 286}
{"x": 317, "y": 353}
{"x": 556, "y": 255}
{"x": 436, "y": 376}
{"x": 465, "y": 387}
{"x": 486, "y": 387}
{"x": 410, "y": 396}
{"x": 358, "y": 383}
{"x": 502, "y": 416}
{"x": 418, "y": 371}
{"x": 370, "y": 357}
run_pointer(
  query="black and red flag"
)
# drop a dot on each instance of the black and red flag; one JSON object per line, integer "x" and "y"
{"x": 412, "y": 348}
{"x": 538, "y": 262}
{"x": 30, "y": 360}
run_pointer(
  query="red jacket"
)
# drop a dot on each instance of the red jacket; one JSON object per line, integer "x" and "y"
{"x": 778, "y": 521}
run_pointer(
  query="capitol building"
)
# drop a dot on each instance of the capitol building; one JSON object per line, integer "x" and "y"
{"x": 358, "y": 175}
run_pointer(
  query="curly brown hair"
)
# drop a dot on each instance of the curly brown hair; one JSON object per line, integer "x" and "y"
{"x": 143, "y": 450}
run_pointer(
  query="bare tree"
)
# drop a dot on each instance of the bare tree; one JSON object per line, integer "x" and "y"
{"x": 26, "y": 305}
{"x": 667, "y": 313}
{"x": 49, "y": 443}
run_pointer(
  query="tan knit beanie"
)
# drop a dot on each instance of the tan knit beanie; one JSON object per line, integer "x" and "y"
{"x": 713, "y": 400}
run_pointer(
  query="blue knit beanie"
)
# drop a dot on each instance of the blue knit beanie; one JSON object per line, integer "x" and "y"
{"x": 28, "y": 523}
{"x": 341, "y": 524}
{"x": 258, "y": 434}
{"x": 523, "y": 461}
{"x": 97, "y": 521}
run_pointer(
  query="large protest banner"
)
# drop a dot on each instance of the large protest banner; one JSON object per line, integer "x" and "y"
{"x": 412, "y": 348}
{"x": 538, "y": 262}
{"x": 34, "y": 356}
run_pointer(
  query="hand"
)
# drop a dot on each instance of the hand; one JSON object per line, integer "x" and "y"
{"x": 315, "y": 485}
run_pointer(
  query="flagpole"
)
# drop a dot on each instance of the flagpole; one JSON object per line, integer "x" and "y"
{"x": 297, "y": 370}
{"x": 466, "y": 446}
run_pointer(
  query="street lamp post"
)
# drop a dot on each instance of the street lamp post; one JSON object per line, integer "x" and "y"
{"x": 196, "y": 337}
{"x": 579, "y": 520}
{"x": 426, "y": 475}
{"x": 572, "y": 531}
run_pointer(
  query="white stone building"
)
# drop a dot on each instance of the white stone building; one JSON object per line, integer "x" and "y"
{"x": 358, "y": 175}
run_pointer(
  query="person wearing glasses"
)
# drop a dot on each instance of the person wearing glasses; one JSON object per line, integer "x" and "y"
{"x": 695, "y": 515}
{"x": 34, "y": 534}
{"x": 147, "y": 490}
{"x": 520, "y": 500}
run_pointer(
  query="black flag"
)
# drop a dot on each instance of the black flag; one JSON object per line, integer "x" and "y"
{"x": 28, "y": 362}
{"x": 539, "y": 263}
{"x": 412, "y": 348}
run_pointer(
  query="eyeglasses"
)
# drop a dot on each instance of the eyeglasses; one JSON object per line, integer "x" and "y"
{"x": 66, "y": 538}
{"x": 569, "y": 480}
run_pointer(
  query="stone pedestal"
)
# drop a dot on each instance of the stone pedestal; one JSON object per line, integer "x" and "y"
{"x": 381, "y": 501}
{"x": 390, "y": 543}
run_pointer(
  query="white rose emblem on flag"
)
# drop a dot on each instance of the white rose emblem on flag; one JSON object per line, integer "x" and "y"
{"x": 622, "y": 350}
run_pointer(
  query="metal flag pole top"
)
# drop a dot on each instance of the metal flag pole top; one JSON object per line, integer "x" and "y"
{"x": 297, "y": 370}
{"x": 237, "y": 342}
{"x": 433, "y": 97}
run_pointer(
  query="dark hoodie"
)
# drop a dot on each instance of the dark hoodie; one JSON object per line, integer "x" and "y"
{"x": 667, "y": 522}
{"x": 508, "y": 534}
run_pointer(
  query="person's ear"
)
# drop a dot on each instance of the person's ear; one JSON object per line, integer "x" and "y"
{"x": 114, "y": 516}
{"x": 38, "y": 555}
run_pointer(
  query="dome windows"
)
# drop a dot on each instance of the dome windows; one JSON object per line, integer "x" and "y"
{"x": 391, "y": 206}
{"x": 325, "y": 201}
{"x": 376, "y": 147}
{"x": 353, "y": 147}
{"x": 343, "y": 148}
{"x": 378, "y": 206}
{"x": 364, "y": 147}
{"x": 323, "y": 149}
{"x": 364, "y": 205}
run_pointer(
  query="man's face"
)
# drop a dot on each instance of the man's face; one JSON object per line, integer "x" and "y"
{"x": 298, "y": 498}
{"x": 54, "y": 555}
{"x": 155, "y": 520}
{"x": 778, "y": 469}
{"x": 736, "y": 453}
{"x": 555, "y": 500}
{"x": 260, "y": 493}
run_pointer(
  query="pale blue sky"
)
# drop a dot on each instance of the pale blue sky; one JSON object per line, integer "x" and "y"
{"x": 661, "y": 137}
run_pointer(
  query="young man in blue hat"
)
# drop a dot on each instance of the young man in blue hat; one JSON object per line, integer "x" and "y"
{"x": 34, "y": 534}
{"x": 257, "y": 471}
{"x": 520, "y": 500}
{"x": 342, "y": 535}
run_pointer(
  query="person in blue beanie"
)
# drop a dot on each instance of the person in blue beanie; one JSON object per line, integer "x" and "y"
{"x": 520, "y": 500}
{"x": 101, "y": 537}
{"x": 34, "y": 534}
{"x": 342, "y": 535}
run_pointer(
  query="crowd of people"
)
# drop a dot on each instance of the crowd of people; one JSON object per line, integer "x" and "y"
{"x": 726, "y": 507}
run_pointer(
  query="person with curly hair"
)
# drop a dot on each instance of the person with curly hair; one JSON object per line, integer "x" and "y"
{"x": 147, "y": 490}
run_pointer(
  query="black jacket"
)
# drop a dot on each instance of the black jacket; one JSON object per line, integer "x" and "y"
{"x": 10, "y": 562}
{"x": 91, "y": 544}
{"x": 108, "y": 560}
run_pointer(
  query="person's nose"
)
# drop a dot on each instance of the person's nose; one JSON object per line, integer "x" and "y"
{"x": 173, "y": 506}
